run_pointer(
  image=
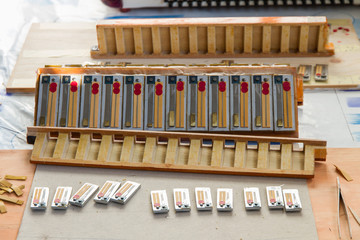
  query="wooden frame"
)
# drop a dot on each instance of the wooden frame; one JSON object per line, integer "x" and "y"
{"x": 213, "y": 37}
{"x": 171, "y": 151}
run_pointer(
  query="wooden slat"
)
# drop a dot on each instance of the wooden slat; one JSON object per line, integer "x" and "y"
{"x": 322, "y": 38}
{"x": 127, "y": 149}
{"x": 286, "y": 160}
{"x": 83, "y": 147}
{"x": 229, "y": 39}
{"x": 194, "y": 152}
{"x": 309, "y": 157}
{"x": 156, "y": 40}
{"x": 61, "y": 145}
{"x": 105, "y": 148}
{"x": 193, "y": 40}
{"x": 150, "y": 150}
{"x": 172, "y": 151}
{"x": 174, "y": 39}
{"x": 120, "y": 41}
{"x": 39, "y": 145}
{"x": 285, "y": 39}
{"x": 138, "y": 41}
{"x": 101, "y": 40}
{"x": 240, "y": 155}
{"x": 217, "y": 153}
{"x": 248, "y": 39}
{"x": 211, "y": 39}
{"x": 266, "y": 39}
{"x": 263, "y": 156}
{"x": 304, "y": 39}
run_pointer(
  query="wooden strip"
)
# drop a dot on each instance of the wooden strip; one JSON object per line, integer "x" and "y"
{"x": 150, "y": 150}
{"x": 182, "y": 109}
{"x": 193, "y": 40}
{"x": 49, "y": 109}
{"x": 83, "y": 147}
{"x": 240, "y": 155}
{"x": 5, "y": 183}
{"x": 224, "y": 110}
{"x": 17, "y": 190}
{"x": 2, "y": 207}
{"x": 309, "y": 157}
{"x": 105, "y": 148}
{"x": 96, "y": 111}
{"x": 285, "y": 109}
{"x": 156, "y": 40}
{"x": 39, "y": 145}
{"x": 286, "y": 156}
{"x": 174, "y": 39}
{"x": 127, "y": 149}
{"x": 322, "y": 38}
{"x": 117, "y": 111}
{"x": 194, "y": 152}
{"x": 74, "y": 108}
{"x": 160, "y": 110}
{"x": 242, "y": 105}
{"x": 211, "y": 39}
{"x": 61, "y": 146}
{"x": 217, "y": 153}
{"x": 203, "y": 109}
{"x": 139, "y": 109}
{"x": 120, "y": 40}
{"x": 285, "y": 39}
{"x": 263, "y": 110}
{"x": 266, "y": 39}
{"x": 70, "y": 109}
{"x": 11, "y": 200}
{"x": 248, "y": 39}
{"x": 156, "y": 109}
{"x": 198, "y": 107}
{"x": 304, "y": 39}
{"x": 53, "y": 109}
{"x": 138, "y": 41}
{"x": 229, "y": 39}
{"x": 263, "y": 156}
{"x": 289, "y": 111}
{"x": 172, "y": 151}
{"x": 246, "y": 97}
{"x": 92, "y": 109}
{"x": 101, "y": 40}
{"x": 344, "y": 173}
{"x": 135, "y": 111}
{"x": 220, "y": 107}
{"x": 12, "y": 177}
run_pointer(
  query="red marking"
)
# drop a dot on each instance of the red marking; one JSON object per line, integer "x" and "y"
{"x": 340, "y": 28}
{"x": 116, "y": 90}
{"x": 178, "y": 203}
{"x": 116, "y": 85}
{"x": 76, "y": 196}
{"x": 53, "y": 87}
{"x": 159, "y": 89}
{"x": 101, "y": 194}
{"x": 118, "y": 194}
{"x": 222, "y": 203}
{"x": 318, "y": 74}
{"x": 272, "y": 200}
{"x": 289, "y": 203}
{"x": 158, "y": 92}
{"x": 347, "y": 34}
{"x": 222, "y": 86}
{"x": 156, "y": 204}
{"x": 57, "y": 200}
{"x": 73, "y": 89}
{"x": 201, "y": 202}
{"x": 250, "y": 201}
{"x": 137, "y": 89}
{"x": 286, "y": 86}
{"x": 339, "y": 41}
{"x": 73, "y": 86}
{"x": 201, "y": 86}
{"x": 244, "y": 87}
{"x": 95, "y": 88}
{"x": 346, "y": 29}
{"x": 180, "y": 86}
{"x": 36, "y": 201}
{"x": 265, "y": 88}
{"x": 335, "y": 30}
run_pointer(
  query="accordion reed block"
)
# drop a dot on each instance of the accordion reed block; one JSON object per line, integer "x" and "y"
{"x": 213, "y": 37}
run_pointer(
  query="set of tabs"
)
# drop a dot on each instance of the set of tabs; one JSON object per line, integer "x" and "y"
{"x": 207, "y": 102}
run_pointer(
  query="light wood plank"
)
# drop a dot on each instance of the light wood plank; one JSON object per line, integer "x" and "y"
{"x": 105, "y": 148}
{"x": 248, "y": 39}
{"x": 322, "y": 39}
{"x": 156, "y": 40}
{"x": 150, "y": 150}
{"x": 193, "y": 40}
{"x": 211, "y": 39}
{"x": 240, "y": 155}
{"x": 285, "y": 39}
{"x": 304, "y": 39}
{"x": 172, "y": 151}
{"x": 127, "y": 149}
{"x": 61, "y": 146}
{"x": 286, "y": 154}
{"x": 266, "y": 39}
{"x": 217, "y": 153}
{"x": 100, "y": 31}
{"x": 174, "y": 39}
{"x": 309, "y": 157}
{"x": 229, "y": 39}
{"x": 83, "y": 147}
{"x": 120, "y": 42}
{"x": 138, "y": 41}
{"x": 194, "y": 152}
{"x": 39, "y": 145}
{"x": 263, "y": 156}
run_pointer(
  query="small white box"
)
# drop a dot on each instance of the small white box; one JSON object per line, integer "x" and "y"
{"x": 125, "y": 193}
{"x": 81, "y": 197}
{"x": 274, "y": 197}
{"x": 105, "y": 193}
{"x": 203, "y": 198}
{"x": 159, "y": 201}
{"x": 224, "y": 199}
{"x": 292, "y": 200}
{"x": 40, "y": 198}
{"x": 252, "y": 198}
{"x": 182, "y": 200}
{"x": 61, "y": 198}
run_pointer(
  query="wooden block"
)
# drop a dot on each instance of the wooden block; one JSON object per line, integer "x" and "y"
{"x": 322, "y": 39}
{"x": 120, "y": 41}
{"x": 150, "y": 150}
{"x": 309, "y": 158}
{"x": 5, "y": 183}
{"x": 344, "y": 173}
{"x": 193, "y": 40}
{"x": 229, "y": 39}
{"x": 101, "y": 40}
{"x": 12, "y": 177}
{"x": 217, "y": 153}
{"x": 304, "y": 39}
{"x": 320, "y": 154}
{"x": 263, "y": 156}
{"x": 248, "y": 39}
{"x": 11, "y": 200}
{"x": 174, "y": 40}
{"x": 172, "y": 151}
{"x": 6, "y": 189}
{"x": 240, "y": 155}
{"x": 286, "y": 160}
{"x": 156, "y": 40}
{"x": 2, "y": 192}
{"x": 194, "y": 152}
{"x": 138, "y": 41}
{"x": 285, "y": 39}
{"x": 83, "y": 147}
{"x": 61, "y": 145}
{"x": 17, "y": 190}
{"x": 39, "y": 145}
{"x": 105, "y": 148}
{"x": 2, "y": 207}
{"x": 211, "y": 39}
{"x": 127, "y": 149}
{"x": 266, "y": 39}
